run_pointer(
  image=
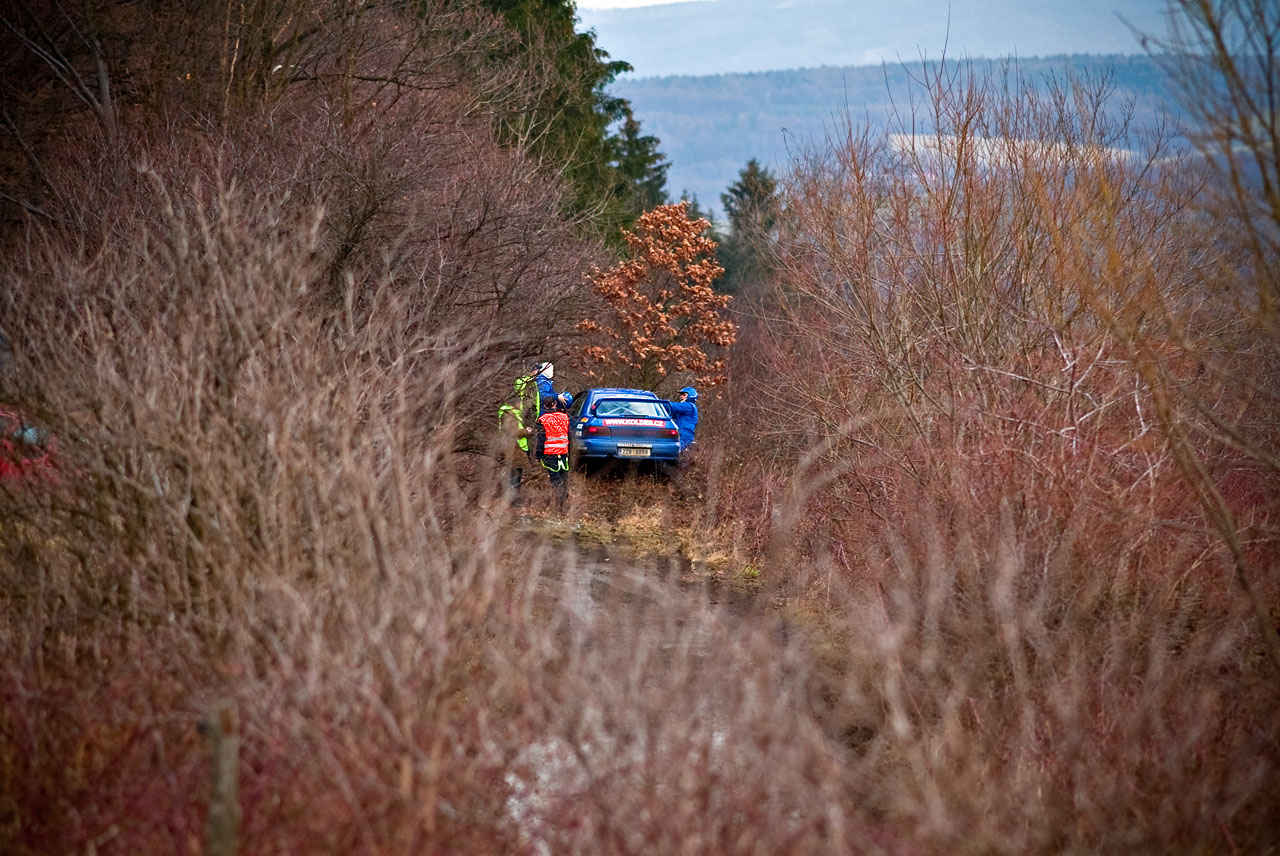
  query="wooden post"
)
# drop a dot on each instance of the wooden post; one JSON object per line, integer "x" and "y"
{"x": 221, "y": 727}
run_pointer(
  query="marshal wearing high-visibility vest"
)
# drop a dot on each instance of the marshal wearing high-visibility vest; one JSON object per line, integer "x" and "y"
{"x": 514, "y": 438}
{"x": 553, "y": 444}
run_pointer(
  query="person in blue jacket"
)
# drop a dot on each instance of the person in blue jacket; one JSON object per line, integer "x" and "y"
{"x": 545, "y": 372}
{"x": 684, "y": 412}
{"x": 542, "y": 377}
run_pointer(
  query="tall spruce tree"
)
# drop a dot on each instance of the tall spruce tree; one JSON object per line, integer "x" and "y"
{"x": 751, "y": 205}
{"x": 697, "y": 212}
{"x": 641, "y": 181}
{"x": 615, "y": 172}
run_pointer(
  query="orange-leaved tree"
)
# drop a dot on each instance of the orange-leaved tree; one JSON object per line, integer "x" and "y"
{"x": 658, "y": 314}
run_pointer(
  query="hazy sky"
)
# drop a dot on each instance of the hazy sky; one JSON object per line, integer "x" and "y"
{"x": 622, "y": 4}
{"x": 678, "y": 37}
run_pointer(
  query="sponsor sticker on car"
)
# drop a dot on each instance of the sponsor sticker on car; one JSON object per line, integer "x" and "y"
{"x": 648, "y": 423}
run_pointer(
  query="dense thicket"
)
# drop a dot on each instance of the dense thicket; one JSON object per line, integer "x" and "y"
{"x": 1000, "y": 429}
{"x": 528, "y": 73}
{"x": 262, "y": 276}
{"x": 1014, "y": 396}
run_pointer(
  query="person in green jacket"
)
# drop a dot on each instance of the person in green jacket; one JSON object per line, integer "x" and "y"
{"x": 532, "y": 388}
{"x": 515, "y": 446}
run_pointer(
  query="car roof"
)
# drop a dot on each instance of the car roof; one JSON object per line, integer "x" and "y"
{"x": 619, "y": 392}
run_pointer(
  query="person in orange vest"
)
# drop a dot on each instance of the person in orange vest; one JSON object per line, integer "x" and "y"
{"x": 553, "y": 447}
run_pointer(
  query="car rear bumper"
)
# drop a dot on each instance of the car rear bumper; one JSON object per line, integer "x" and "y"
{"x": 607, "y": 447}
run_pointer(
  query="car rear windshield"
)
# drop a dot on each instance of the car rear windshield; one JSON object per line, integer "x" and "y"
{"x": 630, "y": 407}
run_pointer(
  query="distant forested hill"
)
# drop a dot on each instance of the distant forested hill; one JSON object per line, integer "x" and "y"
{"x": 710, "y": 126}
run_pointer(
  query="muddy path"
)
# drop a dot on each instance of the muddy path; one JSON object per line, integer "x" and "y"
{"x": 660, "y": 691}
{"x": 658, "y": 662}
{"x": 623, "y": 602}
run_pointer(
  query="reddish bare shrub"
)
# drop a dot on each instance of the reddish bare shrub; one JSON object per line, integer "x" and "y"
{"x": 1223, "y": 421}
{"x": 1007, "y": 695}
{"x": 931, "y": 312}
{"x": 261, "y": 351}
{"x": 978, "y": 465}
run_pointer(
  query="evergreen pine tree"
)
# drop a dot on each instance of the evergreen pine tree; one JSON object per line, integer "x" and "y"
{"x": 752, "y": 206}
{"x": 614, "y": 175}
{"x": 641, "y": 168}
{"x": 697, "y": 212}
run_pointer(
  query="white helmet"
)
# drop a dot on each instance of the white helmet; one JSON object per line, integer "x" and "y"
{"x": 546, "y": 370}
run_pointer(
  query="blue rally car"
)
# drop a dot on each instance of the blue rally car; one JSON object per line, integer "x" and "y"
{"x": 621, "y": 424}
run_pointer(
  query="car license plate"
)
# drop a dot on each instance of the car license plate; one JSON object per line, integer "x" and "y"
{"x": 634, "y": 451}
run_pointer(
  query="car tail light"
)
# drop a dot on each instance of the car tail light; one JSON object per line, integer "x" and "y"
{"x": 673, "y": 432}
{"x": 598, "y": 430}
